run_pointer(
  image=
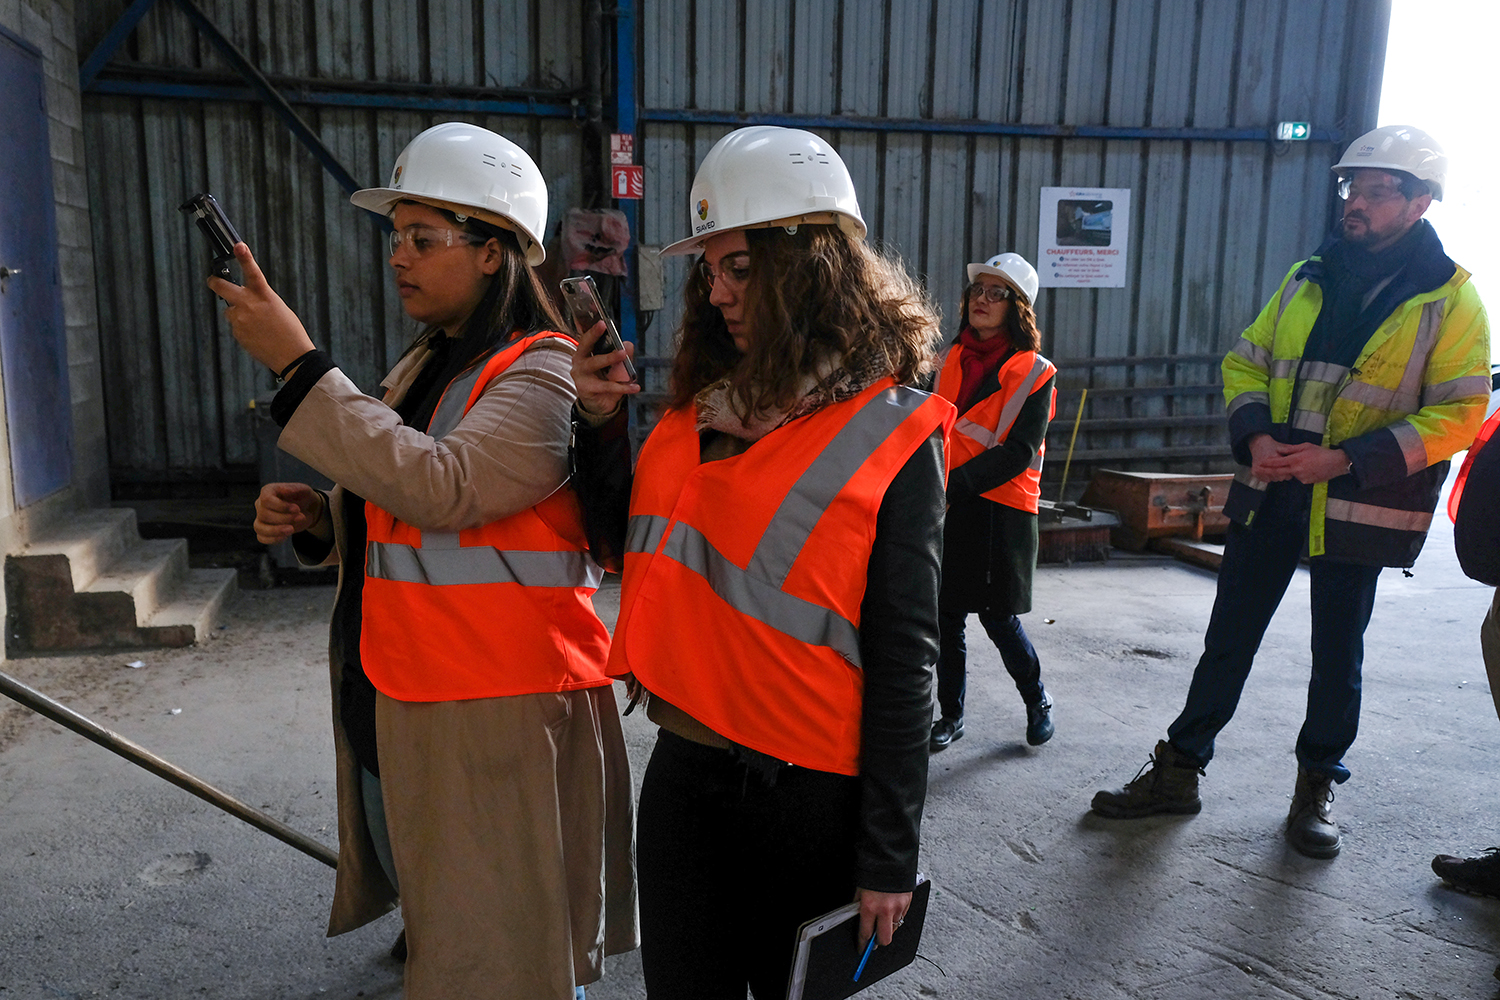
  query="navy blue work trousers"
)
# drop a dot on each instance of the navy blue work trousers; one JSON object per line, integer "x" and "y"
{"x": 1258, "y": 564}
{"x": 1016, "y": 652}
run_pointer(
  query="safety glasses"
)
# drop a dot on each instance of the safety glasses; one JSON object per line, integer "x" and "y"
{"x": 423, "y": 240}
{"x": 993, "y": 293}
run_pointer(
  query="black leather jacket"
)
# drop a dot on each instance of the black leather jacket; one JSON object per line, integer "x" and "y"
{"x": 898, "y": 636}
{"x": 1476, "y": 532}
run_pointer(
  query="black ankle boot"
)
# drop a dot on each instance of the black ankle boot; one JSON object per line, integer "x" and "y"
{"x": 1039, "y": 720}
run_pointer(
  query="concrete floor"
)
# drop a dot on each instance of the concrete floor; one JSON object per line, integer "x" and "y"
{"x": 116, "y": 884}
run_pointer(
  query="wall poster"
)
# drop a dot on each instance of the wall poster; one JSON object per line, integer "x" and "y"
{"x": 1084, "y": 237}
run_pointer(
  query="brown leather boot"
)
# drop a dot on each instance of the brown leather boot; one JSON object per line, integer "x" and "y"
{"x": 1167, "y": 783}
{"x": 1309, "y": 827}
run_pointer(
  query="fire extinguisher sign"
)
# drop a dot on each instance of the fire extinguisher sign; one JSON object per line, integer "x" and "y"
{"x": 627, "y": 181}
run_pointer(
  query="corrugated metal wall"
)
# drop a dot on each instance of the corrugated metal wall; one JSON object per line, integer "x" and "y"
{"x": 177, "y": 388}
{"x": 1214, "y": 224}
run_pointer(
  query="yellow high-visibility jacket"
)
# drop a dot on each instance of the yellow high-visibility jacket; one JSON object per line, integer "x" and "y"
{"x": 1415, "y": 395}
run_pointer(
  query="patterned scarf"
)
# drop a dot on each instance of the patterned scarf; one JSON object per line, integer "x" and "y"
{"x": 832, "y": 380}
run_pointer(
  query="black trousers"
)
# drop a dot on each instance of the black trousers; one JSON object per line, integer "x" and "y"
{"x": 731, "y": 866}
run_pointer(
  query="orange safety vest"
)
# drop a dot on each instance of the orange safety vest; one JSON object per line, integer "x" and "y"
{"x": 988, "y": 421}
{"x": 1457, "y": 493}
{"x": 501, "y": 609}
{"x": 744, "y": 576}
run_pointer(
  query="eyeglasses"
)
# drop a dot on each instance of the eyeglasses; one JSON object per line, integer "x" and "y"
{"x": 994, "y": 293}
{"x": 425, "y": 239}
{"x": 1371, "y": 195}
{"x": 734, "y": 269}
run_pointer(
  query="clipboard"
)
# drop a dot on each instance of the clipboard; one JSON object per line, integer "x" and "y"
{"x": 828, "y": 951}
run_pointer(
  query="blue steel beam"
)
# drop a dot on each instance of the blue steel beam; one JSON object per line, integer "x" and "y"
{"x": 625, "y": 121}
{"x": 969, "y": 127}
{"x": 328, "y": 98}
{"x": 110, "y": 44}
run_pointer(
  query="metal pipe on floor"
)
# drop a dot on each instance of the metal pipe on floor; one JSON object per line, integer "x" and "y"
{"x": 140, "y": 756}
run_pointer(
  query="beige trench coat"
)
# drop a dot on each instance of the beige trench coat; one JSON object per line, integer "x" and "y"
{"x": 474, "y": 475}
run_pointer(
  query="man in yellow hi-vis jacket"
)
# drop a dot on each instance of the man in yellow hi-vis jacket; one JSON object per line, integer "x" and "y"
{"x": 1368, "y": 368}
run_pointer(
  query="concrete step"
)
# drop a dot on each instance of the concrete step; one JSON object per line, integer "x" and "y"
{"x": 92, "y": 583}
{"x": 148, "y": 571}
{"x": 89, "y": 540}
{"x": 195, "y": 609}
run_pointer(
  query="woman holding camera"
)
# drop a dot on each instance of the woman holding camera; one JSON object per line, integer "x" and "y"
{"x": 480, "y": 760}
{"x": 1005, "y": 397}
{"x": 779, "y": 605}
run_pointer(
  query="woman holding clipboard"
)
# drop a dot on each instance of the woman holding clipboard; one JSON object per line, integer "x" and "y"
{"x": 779, "y": 604}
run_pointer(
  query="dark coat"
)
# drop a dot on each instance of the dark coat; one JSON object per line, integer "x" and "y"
{"x": 1476, "y": 533}
{"x": 989, "y": 549}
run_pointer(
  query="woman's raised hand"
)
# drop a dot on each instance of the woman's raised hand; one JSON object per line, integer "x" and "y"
{"x": 283, "y": 509}
{"x": 600, "y": 378}
{"x": 264, "y": 325}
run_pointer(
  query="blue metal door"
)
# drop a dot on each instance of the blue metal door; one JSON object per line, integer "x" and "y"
{"x": 33, "y": 338}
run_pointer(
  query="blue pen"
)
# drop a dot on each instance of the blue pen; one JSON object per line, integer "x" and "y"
{"x": 868, "y": 949}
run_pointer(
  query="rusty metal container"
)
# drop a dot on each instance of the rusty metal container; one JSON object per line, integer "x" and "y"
{"x": 1159, "y": 505}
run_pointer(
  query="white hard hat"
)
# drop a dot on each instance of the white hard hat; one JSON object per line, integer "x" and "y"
{"x": 469, "y": 171}
{"x": 766, "y": 175}
{"x": 1398, "y": 147}
{"x": 1014, "y": 269}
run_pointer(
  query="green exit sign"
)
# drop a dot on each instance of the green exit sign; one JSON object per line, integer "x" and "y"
{"x": 1292, "y": 131}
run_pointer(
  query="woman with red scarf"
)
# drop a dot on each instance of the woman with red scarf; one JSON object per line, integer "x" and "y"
{"x": 1003, "y": 390}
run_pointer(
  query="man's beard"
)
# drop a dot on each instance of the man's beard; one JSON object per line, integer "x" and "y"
{"x": 1366, "y": 236}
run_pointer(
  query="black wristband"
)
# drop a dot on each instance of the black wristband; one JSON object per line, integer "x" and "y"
{"x": 300, "y": 358}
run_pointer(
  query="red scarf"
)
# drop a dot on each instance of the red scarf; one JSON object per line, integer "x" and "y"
{"x": 980, "y": 359}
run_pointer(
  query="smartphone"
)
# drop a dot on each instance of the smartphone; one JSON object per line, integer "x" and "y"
{"x": 220, "y": 232}
{"x": 587, "y": 308}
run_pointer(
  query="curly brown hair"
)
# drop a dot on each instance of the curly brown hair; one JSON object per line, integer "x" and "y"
{"x": 811, "y": 292}
{"x": 1020, "y": 322}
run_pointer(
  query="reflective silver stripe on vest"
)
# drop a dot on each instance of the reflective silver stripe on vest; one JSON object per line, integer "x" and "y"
{"x": 1317, "y": 387}
{"x": 1287, "y": 294}
{"x": 1412, "y": 447}
{"x": 644, "y": 532}
{"x": 755, "y": 591}
{"x": 1380, "y": 398}
{"x": 826, "y": 477}
{"x": 765, "y": 602}
{"x": 1323, "y": 371}
{"x": 442, "y": 567}
{"x": 1378, "y": 517}
{"x": 1246, "y": 398}
{"x": 1243, "y": 475}
{"x": 987, "y": 438}
{"x": 450, "y": 409}
{"x": 1252, "y": 352}
{"x": 1284, "y": 368}
{"x": 1311, "y": 421}
{"x": 1428, "y": 328}
{"x": 1457, "y": 388}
